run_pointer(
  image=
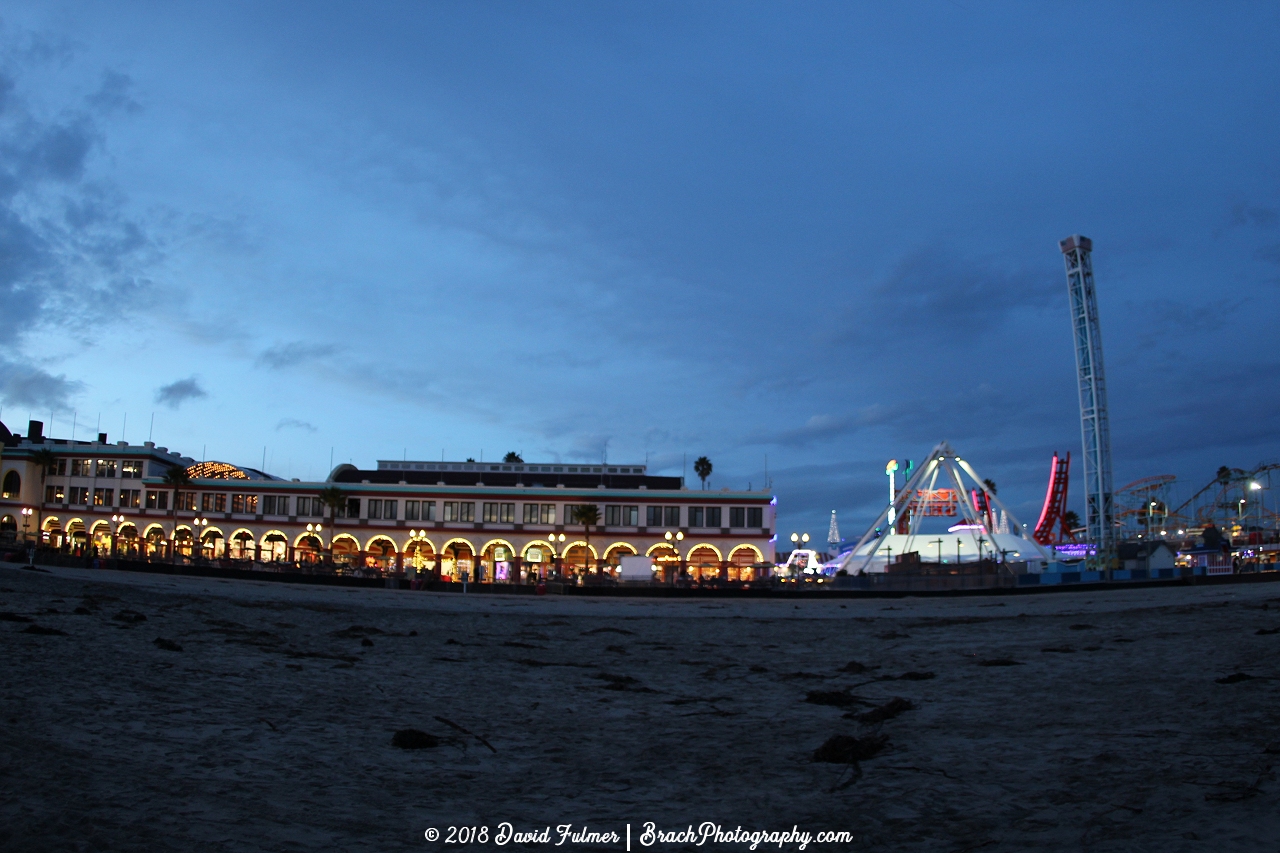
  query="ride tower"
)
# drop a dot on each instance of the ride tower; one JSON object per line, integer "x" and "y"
{"x": 1095, "y": 430}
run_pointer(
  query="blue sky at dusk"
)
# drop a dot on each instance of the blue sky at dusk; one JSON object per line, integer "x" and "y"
{"x": 821, "y": 234}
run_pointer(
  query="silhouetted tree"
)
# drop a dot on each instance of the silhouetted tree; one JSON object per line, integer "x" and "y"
{"x": 1072, "y": 520}
{"x": 512, "y": 456}
{"x": 587, "y": 515}
{"x": 335, "y": 500}
{"x": 180, "y": 480}
{"x": 702, "y": 467}
{"x": 44, "y": 460}
{"x": 990, "y": 484}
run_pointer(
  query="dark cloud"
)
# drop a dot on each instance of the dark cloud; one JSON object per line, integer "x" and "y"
{"x": 1248, "y": 214}
{"x": 1270, "y": 254}
{"x": 176, "y": 393}
{"x": 294, "y": 423}
{"x": 293, "y": 353}
{"x": 113, "y": 95}
{"x": 23, "y": 384}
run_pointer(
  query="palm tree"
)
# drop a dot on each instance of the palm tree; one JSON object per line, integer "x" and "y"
{"x": 334, "y": 499}
{"x": 44, "y": 459}
{"x": 990, "y": 484}
{"x": 1072, "y": 520}
{"x": 512, "y": 456}
{"x": 702, "y": 467}
{"x": 587, "y": 515}
{"x": 179, "y": 479}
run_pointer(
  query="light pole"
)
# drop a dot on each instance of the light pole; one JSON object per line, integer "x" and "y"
{"x": 674, "y": 541}
{"x": 799, "y": 539}
{"x": 317, "y": 529}
{"x": 560, "y": 559}
{"x": 1255, "y": 487}
{"x": 116, "y": 521}
{"x": 26, "y": 519}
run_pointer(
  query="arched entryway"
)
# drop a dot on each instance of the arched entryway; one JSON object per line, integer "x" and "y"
{"x": 381, "y": 554}
{"x": 154, "y": 542}
{"x": 495, "y": 561}
{"x": 8, "y": 528}
{"x": 184, "y": 541}
{"x": 100, "y": 537}
{"x": 127, "y": 543}
{"x": 420, "y": 556}
{"x": 212, "y": 545}
{"x": 704, "y": 562}
{"x": 741, "y": 562}
{"x": 578, "y": 558}
{"x": 308, "y": 549}
{"x": 242, "y": 547}
{"x": 51, "y": 535}
{"x": 345, "y": 549}
{"x": 667, "y": 558}
{"x": 275, "y": 548}
{"x": 457, "y": 560}
{"x": 538, "y": 557}
{"x": 613, "y": 556}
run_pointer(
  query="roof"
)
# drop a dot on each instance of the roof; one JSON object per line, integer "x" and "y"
{"x": 351, "y": 474}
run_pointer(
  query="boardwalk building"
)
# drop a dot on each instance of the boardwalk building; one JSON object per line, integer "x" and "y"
{"x": 495, "y": 522}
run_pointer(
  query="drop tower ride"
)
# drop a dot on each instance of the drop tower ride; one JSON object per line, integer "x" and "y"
{"x": 1095, "y": 430}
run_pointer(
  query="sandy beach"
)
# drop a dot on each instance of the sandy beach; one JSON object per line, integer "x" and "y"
{"x": 148, "y": 712}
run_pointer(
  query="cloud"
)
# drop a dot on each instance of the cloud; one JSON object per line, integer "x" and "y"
{"x": 113, "y": 95}
{"x": 26, "y": 385}
{"x": 176, "y": 393}
{"x": 1247, "y": 214}
{"x": 293, "y": 353}
{"x": 1270, "y": 254}
{"x": 294, "y": 423}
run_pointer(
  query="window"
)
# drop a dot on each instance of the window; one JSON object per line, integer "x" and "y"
{"x": 78, "y": 496}
{"x": 428, "y": 510}
{"x": 459, "y": 511}
{"x": 713, "y": 516}
{"x": 695, "y": 516}
{"x": 671, "y": 516}
{"x": 245, "y": 504}
{"x": 755, "y": 516}
{"x": 613, "y": 516}
{"x": 631, "y": 516}
{"x": 275, "y": 505}
{"x": 410, "y": 510}
{"x": 303, "y": 506}
{"x": 130, "y": 498}
{"x": 80, "y": 468}
{"x": 737, "y": 516}
{"x": 653, "y": 516}
{"x": 54, "y": 494}
{"x": 499, "y": 513}
{"x": 389, "y": 509}
{"x": 622, "y": 516}
{"x": 106, "y": 468}
{"x": 353, "y": 508}
{"x": 375, "y": 508}
{"x": 185, "y": 501}
{"x": 155, "y": 500}
{"x": 58, "y": 468}
{"x": 213, "y": 503}
{"x": 539, "y": 513}
{"x": 131, "y": 469}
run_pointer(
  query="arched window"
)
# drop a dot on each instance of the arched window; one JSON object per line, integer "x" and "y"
{"x": 12, "y": 485}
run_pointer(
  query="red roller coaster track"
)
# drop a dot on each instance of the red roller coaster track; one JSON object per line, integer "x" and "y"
{"x": 1052, "y": 526}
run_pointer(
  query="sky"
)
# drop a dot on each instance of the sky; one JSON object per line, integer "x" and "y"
{"x": 798, "y": 239}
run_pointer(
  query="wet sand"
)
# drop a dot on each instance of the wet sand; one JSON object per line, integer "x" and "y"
{"x": 272, "y": 728}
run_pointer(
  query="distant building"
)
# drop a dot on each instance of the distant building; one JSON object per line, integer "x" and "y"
{"x": 496, "y": 521}
{"x": 1146, "y": 555}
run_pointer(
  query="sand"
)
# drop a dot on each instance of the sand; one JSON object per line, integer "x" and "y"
{"x": 272, "y": 728}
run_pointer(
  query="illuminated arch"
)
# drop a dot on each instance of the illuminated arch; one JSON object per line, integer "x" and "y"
{"x": 759, "y": 557}
{"x": 658, "y": 546}
{"x": 458, "y": 539}
{"x": 304, "y": 534}
{"x": 368, "y": 546}
{"x": 235, "y": 533}
{"x": 567, "y": 545}
{"x": 627, "y": 545}
{"x": 205, "y": 531}
{"x": 120, "y": 531}
{"x": 345, "y": 537}
{"x": 51, "y": 521}
{"x": 537, "y": 543}
{"x": 185, "y": 527}
{"x": 273, "y": 532}
{"x": 151, "y": 527}
{"x": 75, "y": 525}
{"x": 93, "y": 531}
{"x": 419, "y": 541}
{"x": 492, "y": 542}
{"x": 719, "y": 555}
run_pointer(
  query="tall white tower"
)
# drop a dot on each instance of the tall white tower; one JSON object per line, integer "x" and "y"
{"x": 1095, "y": 430}
{"x": 833, "y": 533}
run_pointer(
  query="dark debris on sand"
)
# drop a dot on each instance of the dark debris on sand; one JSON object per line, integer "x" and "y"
{"x": 887, "y": 711}
{"x": 166, "y": 645}
{"x": 129, "y": 617}
{"x": 847, "y": 749}
{"x": 414, "y": 739}
{"x": 43, "y": 631}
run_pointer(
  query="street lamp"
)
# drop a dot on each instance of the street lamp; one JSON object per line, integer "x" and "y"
{"x": 116, "y": 521}
{"x": 26, "y": 518}
{"x": 674, "y": 541}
